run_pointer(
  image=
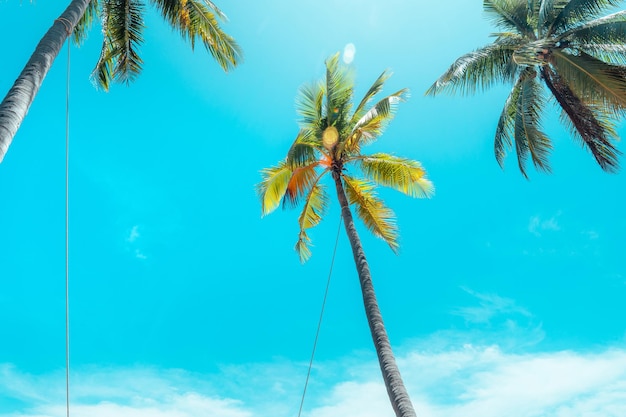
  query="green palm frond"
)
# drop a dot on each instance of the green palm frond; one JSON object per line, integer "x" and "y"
{"x": 339, "y": 90}
{"x": 369, "y": 127}
{"x": 310, "y": 106}
{"x": 361, "y": 109}
{"x": 378, "y": 218}
{"x": 86, "y": 21}
{"x": 301, "y": 181}
{"x": 123, "y": 26}
{"x": 198, "y": 19}
{"x": 506, "y": 124}
{"x": 603, "y": 38}
{"x": 591, "y": 124}
{"x": 510, "y": 15}
{"x": 402, "y": 174}
{"x": 305, "y": 150}
{"x": 314, "y": 209}
{"x": 529, "y": 139}
{"x": 479, "y": 69}
{"x": 593, "y": 80}
{"x": 273, "y": 186}
{"x": 577, "y": 11}
{"x": 548, "y": 11}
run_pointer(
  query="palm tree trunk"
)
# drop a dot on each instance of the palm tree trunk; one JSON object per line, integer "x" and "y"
{"x": 15, "y": 105}
{"x": 396, "y": 390}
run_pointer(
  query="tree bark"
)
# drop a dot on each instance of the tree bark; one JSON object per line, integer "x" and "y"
{"x": 18, "y": 100}
{"x": 396, "y": 390}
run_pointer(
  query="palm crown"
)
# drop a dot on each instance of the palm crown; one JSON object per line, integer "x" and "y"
{"x": 330, "y": 140}
{"x": 577, "y": 54}
{"x": 122, "y": 27}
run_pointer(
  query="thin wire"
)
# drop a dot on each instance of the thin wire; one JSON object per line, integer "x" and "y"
{"x": 67, "y": 235}
{"x": 319, "y": 323}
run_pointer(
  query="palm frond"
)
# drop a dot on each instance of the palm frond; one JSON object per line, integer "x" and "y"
{"x": 273, "y": 186}
{"x": 591, "y": 124}
{"x": 506, "y": 124}
{"x": 339, "y": 90}
{"x": 315, "y": 206}
{"x": 603, "y": 38}
{"x": 305, "y": 150}
{"x": 401, "y": 174}
{"x": 310, "y": 105}
{"x": 198, "y": 19}
{"x": 301, "y": 181}
{"x": 548, "y": 12}
{"x": 369, "y": 127}
{"x": 529, "y": 139}
{"x": 577, "y": 11}
{"x": 378, "y": 218}
{"x": 361, "y": 109}
{"x": 85, "y": 22}
{"x": 510, "y": 15}
{"x": 479, "y": 69}
{"x": 593, "y": 80}
{"x": 122, "y": 23}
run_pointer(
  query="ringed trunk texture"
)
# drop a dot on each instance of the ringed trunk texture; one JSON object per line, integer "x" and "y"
{"x": 15, "y": 105}
{"x": 396, "y": 390}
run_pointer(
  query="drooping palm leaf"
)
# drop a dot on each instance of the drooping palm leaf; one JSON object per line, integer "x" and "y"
{"x": 86, "y": 21}
{"x": 123, "y": 27}
{"x": 314, "y": 208}
{"x": 273, "y": 186}
{"x": 592, "y": 79}
{"x": 305, "y": 149}
{"x": 506, "y": 124}
{"x": 593, "y": 127}
{"x": 401, "y": 174}
{"x": 529, "y": 139}
{"x": 378, "y": 218}
{"x": 300, "y": 183}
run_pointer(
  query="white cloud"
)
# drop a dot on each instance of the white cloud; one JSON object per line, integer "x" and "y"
{"x": 348, "y": 53}
{"x": 466, "y": 380}
{"x": 490, "y": 305}
{"x": 536, "y": 224}
{"x": 132, "y": 243}
{"x": 133, "y": 235}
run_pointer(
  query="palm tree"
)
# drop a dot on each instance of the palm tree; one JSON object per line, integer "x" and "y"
{"x": 566, "y": 45}
{"x": 329, "y": 142}
{"x": 122, "y": 27}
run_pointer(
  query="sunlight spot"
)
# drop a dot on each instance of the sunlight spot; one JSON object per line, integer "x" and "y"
{"x": 348, "y": 53}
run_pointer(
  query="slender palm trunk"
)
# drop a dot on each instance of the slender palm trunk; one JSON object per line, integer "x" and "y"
{"x": 15, "y": 105}
{"x": 396, "y": 390}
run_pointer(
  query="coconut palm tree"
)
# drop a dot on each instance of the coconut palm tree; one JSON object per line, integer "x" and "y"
{"x": 122, "y": 28}
{"x": 329, "y": 142}
{"x": 574, "y": 51}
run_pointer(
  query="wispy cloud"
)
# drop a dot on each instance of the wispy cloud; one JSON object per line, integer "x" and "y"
{"x": 132, "y": 241}
{"x": 537, "y": 224}
{"x": 489, "y": 306}
{"x": 456, "y": 382}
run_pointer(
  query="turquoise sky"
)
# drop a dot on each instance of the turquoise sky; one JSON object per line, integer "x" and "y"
{"x": 507, "y": 297}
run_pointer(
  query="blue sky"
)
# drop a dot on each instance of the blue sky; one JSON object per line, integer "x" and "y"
{"x": 506, "y": 298}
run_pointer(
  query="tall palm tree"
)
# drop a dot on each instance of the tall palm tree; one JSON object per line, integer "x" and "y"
{"x": 329, "y": 142}
{"x": 566, "y": 45}
{"x": 122, "y": 28}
